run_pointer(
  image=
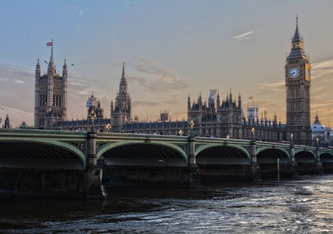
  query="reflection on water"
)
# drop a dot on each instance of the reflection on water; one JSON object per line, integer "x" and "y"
{"x": 293, "y": 206}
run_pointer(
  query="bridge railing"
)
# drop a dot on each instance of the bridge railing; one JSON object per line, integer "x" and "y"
{"x": 135, "y": 136}
{"x": 39, "y": 132}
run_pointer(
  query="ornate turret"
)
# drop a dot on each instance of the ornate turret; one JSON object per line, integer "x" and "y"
{"x": 38, "y": 68}
{"x": 65, "y": 65}
{"x": 200, "y": 100}
{"x": 239, "y": 101}
{"x": 7, "y": 122}
{"x": 297, "y": 50}
{"x": 230, "y": 96}
{"x": 218, "y": 100}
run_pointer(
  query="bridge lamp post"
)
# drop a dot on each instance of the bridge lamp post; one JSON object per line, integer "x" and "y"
{"x": 108, "y": 127}
{"x": 253, "y": 133}
{"x": 92, "y": 116}
{"x": 192, "y": 125}
{"x": 317, "y": 144}
{"x": 180, "y": 132}
{"x": 291, "y": 139}
{"x": 228, "y": 136}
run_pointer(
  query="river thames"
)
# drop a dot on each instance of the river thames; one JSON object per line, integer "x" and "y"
{"x": 304, "y": 205}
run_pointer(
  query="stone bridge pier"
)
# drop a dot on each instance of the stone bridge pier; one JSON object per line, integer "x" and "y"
{"x": 58, "y": 164}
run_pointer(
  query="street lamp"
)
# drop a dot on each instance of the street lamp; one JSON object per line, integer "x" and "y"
{"x": 108, "y": 127}
{"x": 92, "y": 116}
{"x": 192, "y": 125}
{"x": 253, "y": 132}
{"x": 180, "y": 132}
{"x": 228, "y": 136}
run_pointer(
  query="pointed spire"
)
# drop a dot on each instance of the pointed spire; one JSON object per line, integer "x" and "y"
{"x": 317, "y": 118}
{"x": 38, "y": 66}
{"x": 297, "y": 36}
{"x": 65, "y": 65}
{"x": 123, "y": 74}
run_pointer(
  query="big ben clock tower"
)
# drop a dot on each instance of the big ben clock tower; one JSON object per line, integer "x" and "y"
{"x": 298, "y": 82}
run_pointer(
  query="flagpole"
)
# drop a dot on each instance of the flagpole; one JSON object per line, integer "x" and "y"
{"x": 52, "y": 51}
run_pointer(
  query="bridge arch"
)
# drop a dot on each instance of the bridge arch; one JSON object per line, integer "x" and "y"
{"x": 269, "y": 155}
{"x": 144, "y": 154}
{"x": 222, "y": 154}
{"x": 305, "y": 156}
{"x": 326, "y": 157}
{"x": 40, "y": 153}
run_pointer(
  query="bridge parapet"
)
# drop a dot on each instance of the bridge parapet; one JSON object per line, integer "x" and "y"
{"x": 44, "y": 133}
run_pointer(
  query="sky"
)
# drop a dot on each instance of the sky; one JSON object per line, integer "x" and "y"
{"x": 170, "y": 48}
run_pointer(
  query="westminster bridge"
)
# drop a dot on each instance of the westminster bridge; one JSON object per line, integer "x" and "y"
{"x": 66, "y": 163}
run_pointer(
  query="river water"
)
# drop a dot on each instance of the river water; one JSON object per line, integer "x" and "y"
{"x": 304, "y": 205}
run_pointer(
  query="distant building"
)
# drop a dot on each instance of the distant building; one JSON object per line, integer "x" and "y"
{"x": 252, "y": 112}
{"x": 94, "y": 105}
{"x": 164, "y": 116}
{"x": 320, "y": 132}
{"x": 214, "y": 117}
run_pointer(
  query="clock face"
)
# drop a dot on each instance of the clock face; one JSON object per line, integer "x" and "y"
{"x": 294, "y": 73}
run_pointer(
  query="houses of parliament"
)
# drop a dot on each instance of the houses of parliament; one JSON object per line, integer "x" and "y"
{"x": 221, "y": 117}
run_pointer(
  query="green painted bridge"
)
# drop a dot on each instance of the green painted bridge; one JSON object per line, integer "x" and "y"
{"x": 44, "y": 152}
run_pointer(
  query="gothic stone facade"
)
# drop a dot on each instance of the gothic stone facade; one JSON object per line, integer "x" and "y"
{"x": 217, "y": 118}
{"x": 121, "y": 109}
{"x": 50, "y": 96}
{"x": 298, "y": 82}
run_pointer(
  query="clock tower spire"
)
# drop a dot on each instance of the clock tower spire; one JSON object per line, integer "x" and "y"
{"x": 298, "y": 82}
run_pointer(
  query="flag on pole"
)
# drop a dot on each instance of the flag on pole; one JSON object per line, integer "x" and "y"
{"x": 251, "y": 97}
{"x": 49, "y": 43}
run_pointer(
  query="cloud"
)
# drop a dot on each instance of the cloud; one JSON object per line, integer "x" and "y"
{"x": 321, "y": 69}
{"x": 19, "y": 81}
{"x": 136, "y": 104}
{"x": 244, "y": 36}
{"x": 16, "y": 116}
{"x": 272, "y": 96}
{"x": 157, "y": 79}
{"x": 81, "y": 12}
{"x": 189, "y": 28}
{"x": 172, "y": 100}
{"x": 178, "y": 115}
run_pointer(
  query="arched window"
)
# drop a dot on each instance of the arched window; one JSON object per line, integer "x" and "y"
{"x": 45, "y": 103}
{"x": 53, "y": 99}
{"x": 59, "y": 100}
